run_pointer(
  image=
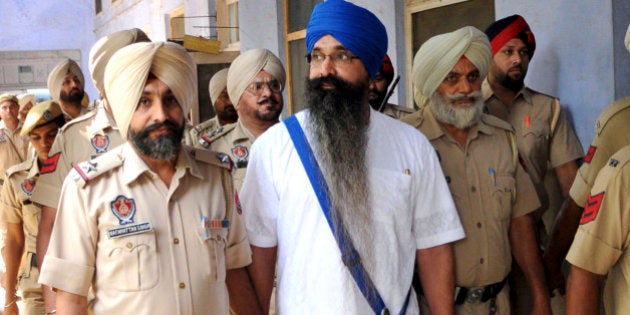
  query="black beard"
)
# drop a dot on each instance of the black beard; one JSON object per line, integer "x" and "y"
{"x": 165, "y": 147}
{"x": 511, "y": 84}
{"x": 228, "y": 114}
{"x": 376, "y": 103}
{"x": 75, "y": 96}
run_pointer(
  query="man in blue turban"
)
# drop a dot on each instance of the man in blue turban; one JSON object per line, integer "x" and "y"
{"x": 388, "y": 198}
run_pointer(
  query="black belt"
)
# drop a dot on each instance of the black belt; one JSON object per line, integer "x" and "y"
{"x": 479, "y": 295}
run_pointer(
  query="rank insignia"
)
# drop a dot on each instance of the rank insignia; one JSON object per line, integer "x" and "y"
{"x": 84, "y": 169}
{"x": 100, "y": 143}
{"x": 27, "y": 186}
{"x": 50, "y": 165}
{"x": 237, "y": 201}
{"x": 47, "y": 115}
{"x": 591, "y": 209}
{"x": 589, "y": 154}
{"x": 613, "y": 163}
{"x": 124, "y": 209}
{"x": 241, "y": 153}
{"x": 3, "y": 137}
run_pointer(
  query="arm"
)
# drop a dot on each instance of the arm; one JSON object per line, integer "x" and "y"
{"x": 69, "y": 303}
{"x": 566, "y": 175}
{"x": 436, "y": 269}
{"x": 262, "y": 271}
{"x": 562, "y": 233}
{"x": 46, "y": 222}
{"x": 526, "y": 253}
{"x": 583, "y": 292}
{"x": 242, "y": 295}
{"x": 13, "y": 249}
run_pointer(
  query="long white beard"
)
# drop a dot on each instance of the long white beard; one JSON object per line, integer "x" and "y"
{"x": 463, "y": 116}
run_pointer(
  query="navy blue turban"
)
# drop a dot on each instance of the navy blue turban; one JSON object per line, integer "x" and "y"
{"x": 355, "y": 27}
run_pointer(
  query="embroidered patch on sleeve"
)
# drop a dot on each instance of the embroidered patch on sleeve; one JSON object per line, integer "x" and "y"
{"x": 50, "y": 165}
{"x": 591, "y": 209}
{"x": 589, "y": 154}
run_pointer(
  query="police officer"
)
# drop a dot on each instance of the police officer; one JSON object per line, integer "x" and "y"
{"x": 161, "y": 230}
{"x": 255, "y": 81}
{"x": 13, "y": 146}
{"x": 21, "y": 215}
{"x": 492, "y": 192}
{"x": 600, "y": 246}
{"x": 378, "y": 91}
{"x": 224, "y": 110}
{"x": 66, "y": 85}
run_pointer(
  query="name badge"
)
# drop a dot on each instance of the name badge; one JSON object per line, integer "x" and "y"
{"x": 130, "y": 229}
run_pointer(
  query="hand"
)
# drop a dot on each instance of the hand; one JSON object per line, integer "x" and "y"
{"x": 555, "y": 278}
{"x": 11, "y": 309}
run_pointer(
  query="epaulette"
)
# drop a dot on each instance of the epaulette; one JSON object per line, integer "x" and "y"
{"x": 24, "y": 166}
{"x": 212, "y": 157}
{"x": 403, "y": 109}
{"x": 77, "y": 120}
{"x": 414, "y": 119}
{"x": 206, "y": 139}
{"x": 610, "y": 111}
{"x": 86, "y": 171}
{"x": 201, "y": 128}
{"x": 496, "y": 122}
{"x": 615, "y": 165}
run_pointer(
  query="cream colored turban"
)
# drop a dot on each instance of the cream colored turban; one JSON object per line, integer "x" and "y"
{"x": 438, "y": 55}
{"x": 245, "y": 68}
{"x": 58, "y": 74}
{"x": 217, "y": 84}
{"x": 127, "y": 72}
{"x": 9, "y": 97}
{"x": 25, "y": 99}
{"x": 105, "y": 47}
{"x": 627, "y": 39}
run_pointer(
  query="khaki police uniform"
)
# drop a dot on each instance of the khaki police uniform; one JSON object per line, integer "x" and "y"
{"x": 235, "y": 141}
{"x": 396, "y": 111}
{"x": 18, "y": 208}
{"x": 13, "y": 148}
{"x": 79, "y": 140}
{"x": 602, "y": 241}
{"x": 612, "y": 132}
{"x": 489, "y": 188}
{"x": 543, "y": 133}
{"x": 147, "y": 248}
{"x": 204, "y": 129}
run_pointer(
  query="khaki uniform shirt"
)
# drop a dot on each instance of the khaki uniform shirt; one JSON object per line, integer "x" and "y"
{"x": 16, "y": 200}
{"x": 204, "y": 129}
{"x": 396, "y": 111}
{"x": 13, "y": 148}
{"x": 144, "y": 247}
{"x": 79, "y": 140}
{"x": 602, "y": 242}
{"x": 612, "y": 132}
{"x": 489, "y": 188}
{"x": 235, "y": 141}
{"x": 533, "y": 115}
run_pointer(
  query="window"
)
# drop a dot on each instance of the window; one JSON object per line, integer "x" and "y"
{"x": 177, "y": 24}
{"x": 297, "y": 13}
{"x": 227, "y": 24}
{"x": 427, "y": 18}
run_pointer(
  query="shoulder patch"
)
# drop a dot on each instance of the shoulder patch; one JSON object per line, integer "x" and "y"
{"x": 610, "y": 111}
{"x": 214, "y": 158}
{"x": 591, "y": 208}
{"x": 84, "y": 172}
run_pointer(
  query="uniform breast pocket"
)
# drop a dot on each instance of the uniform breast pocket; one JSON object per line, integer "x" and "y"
{"x": 503, "y": 196}
{"x": 391, "y": 197}
{"x": 213, "y": 242}
{"x": 132, "y": 263}
{"x": 537, "y": 136}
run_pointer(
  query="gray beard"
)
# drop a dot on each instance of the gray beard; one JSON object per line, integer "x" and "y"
{"x": 460, "y": 117}
{"x": 339, "y": 125}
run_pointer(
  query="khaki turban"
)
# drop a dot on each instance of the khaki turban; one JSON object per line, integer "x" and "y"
{"x": 245, "y": 68}
{"x": 105, "y": 47}
{"x": 438, "y": 55}
{"x": 24, "y": 99}
{"x": 627, "y": 40}
{"x": 9, "y": 97}
{"x": 127, "y": 72}
{"x": 217, "y": 84}
{"x": 58, "y": 74}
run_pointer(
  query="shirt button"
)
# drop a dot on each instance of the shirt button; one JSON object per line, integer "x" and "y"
{"x": 129, "y": 245}
{"x": 182, "y": 285}
{"x": 481, "y": 261}
{"x": 473, "y": 189}
{"x": 479, "y": 224}
{"x": 176, "y": 241}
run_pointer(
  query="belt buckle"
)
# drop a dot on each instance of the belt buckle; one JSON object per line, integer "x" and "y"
{"x": 474, "y": 296}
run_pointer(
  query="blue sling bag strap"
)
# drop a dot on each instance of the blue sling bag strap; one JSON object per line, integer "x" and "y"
{"x": 349, "y": 255}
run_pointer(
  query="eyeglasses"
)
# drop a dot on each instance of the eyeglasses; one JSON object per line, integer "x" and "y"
{"x": 342, "y": 58}
{"x": 257, "y": 88}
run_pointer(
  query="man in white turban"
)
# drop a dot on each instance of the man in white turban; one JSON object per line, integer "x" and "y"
{"x": 159, "y": 222}
{"x": 66, "y": 85}
{"x": 255, "y": 81}
{"x": 81, "y": 139}
{"x": 478, "y": 154}
{"x": 224, "y": 110}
